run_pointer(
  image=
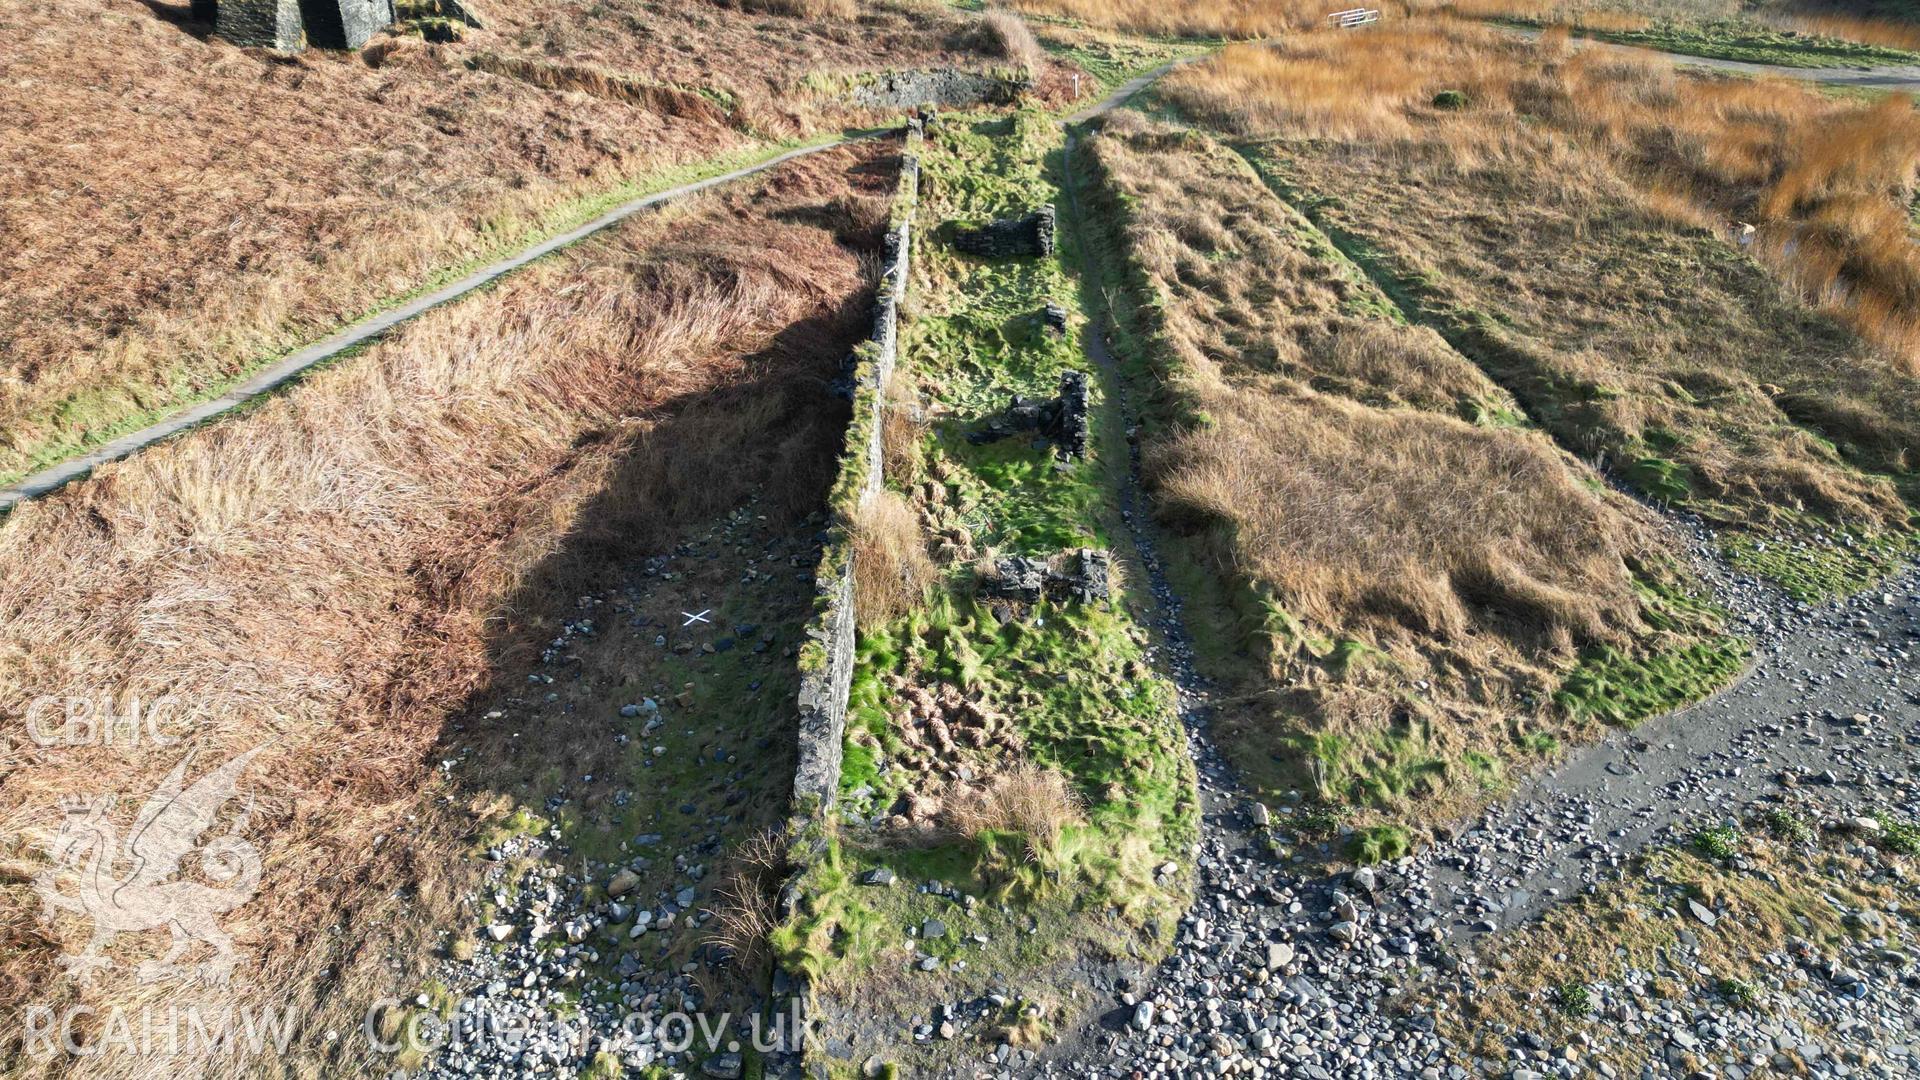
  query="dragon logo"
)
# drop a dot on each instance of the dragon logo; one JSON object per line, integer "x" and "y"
{"x": 167, "y": 830}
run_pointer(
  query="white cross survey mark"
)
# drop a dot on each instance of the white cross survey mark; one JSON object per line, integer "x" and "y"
{"x": 692, "y": 618}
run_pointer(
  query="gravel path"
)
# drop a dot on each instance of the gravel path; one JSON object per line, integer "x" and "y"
{"x": 1830, "y": 700}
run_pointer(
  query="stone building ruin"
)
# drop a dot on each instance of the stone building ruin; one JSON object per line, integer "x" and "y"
{"x": 291, "y": 25}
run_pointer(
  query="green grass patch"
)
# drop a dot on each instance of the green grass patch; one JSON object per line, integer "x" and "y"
{"x": 1788, "y": 825}
{"x": 1626, "y": 688}
{"x": 1573, "y": 1000}
{"x": 1816, "y": 565}
{"x": 1691, "y": 658}
{"x": 1070, "y": 684}
{"x": 1897, "y": 836}
{"x": 1378, "y": 843}
{"x": 1722, "y": 842}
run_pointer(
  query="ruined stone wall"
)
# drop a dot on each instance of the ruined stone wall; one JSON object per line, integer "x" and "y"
{"x": 271, "y": 24}
{"x": 826, "y": 659}
{"x": 289, "y": 25}
{"x": 947, "y": 87}
{"x": 1026, "y": 236}
{"x": 359, "y": 21}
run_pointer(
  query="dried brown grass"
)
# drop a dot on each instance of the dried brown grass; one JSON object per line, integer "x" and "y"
{"x": 176, "y": 209}
{"x": 1009, "y": 37}
{"x": 891, "y": 568}
{"x": 1245, "y": 20}
{"x": 1404, "y": 523}
{"x": 1319, "y": 419}
{"x": 1556, "y": 218}
{"x": 1314, "y": 465}
{"x": 745, "y": 905}
{"x": 1551, "y": 12}
{"x": 1830, "y": 180}
{"x": 326, "y": 573}
{"x": 1029, "y": 800}
{"x": 1867, "y": 31}
{"x": 903, "y": 425}
{"x": 1236, "y": 19}
{"x": 804, "y": 9}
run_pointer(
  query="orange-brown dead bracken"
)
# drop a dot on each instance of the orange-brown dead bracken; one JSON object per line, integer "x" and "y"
{"x": 174, "y": 209}
{"x": 334, "y": 574}
{"x": 1827, "y": 181}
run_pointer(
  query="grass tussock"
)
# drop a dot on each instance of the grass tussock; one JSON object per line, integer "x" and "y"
{"x": 891, "y": 569}
{"x": 745, "y": 906}
{"x": 903, "y": 425}
{"x": 1419, "y": 522}
{"x": 1004, "y": 35}
{"x": 1027, "y": 800}
{"x": 326, "y": 575}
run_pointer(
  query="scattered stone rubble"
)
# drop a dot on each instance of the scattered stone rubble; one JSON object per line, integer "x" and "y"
{"x": 1061, "y": 420}
{"x": 923, "y": 88}
{"x": 568, "y": 957}
{"x": 1080, "y": 577}
{"x": 946, "y": 737}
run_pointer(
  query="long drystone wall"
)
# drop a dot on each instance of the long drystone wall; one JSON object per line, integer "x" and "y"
{"x": 826, "y": 659}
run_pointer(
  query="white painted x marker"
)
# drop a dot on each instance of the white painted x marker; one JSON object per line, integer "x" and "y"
{"x": 692, "y": 618}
